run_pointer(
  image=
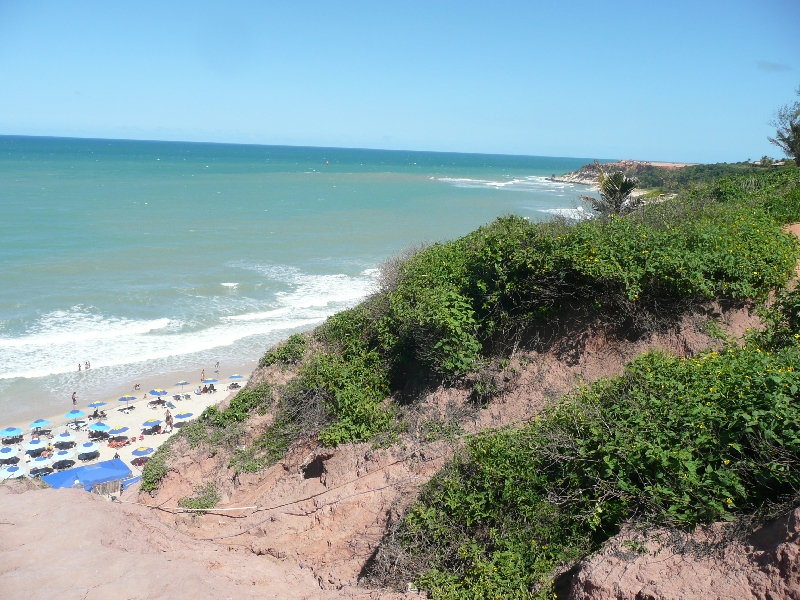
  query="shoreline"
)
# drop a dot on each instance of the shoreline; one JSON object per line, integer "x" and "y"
{"x": 49, "y": 404}
{"x": 140, "y": 413}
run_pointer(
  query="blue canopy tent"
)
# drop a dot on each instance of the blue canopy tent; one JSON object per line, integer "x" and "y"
{"x": 86, "y": 477}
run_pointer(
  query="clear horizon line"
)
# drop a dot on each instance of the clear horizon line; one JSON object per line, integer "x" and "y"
{"x": 177, "y": 141}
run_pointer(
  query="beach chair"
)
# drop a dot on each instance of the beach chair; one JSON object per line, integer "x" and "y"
{"x": 187, "y": 397}
{"x": 176, "y": 397}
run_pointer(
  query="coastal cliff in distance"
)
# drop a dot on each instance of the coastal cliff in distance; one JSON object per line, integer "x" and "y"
{"x": 588, "y": 174}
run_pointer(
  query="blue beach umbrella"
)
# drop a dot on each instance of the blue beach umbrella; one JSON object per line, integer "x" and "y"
{"x": 184, "y": 415}
{"x": 12, "y": 472}
{"x": 127, "y": 399}
{"x": 158, "y": 392}
{"x": 99, "y": 426}
{"x": 62, "y": 455}
{"x": 38, "y": 463}
{"x": 8, "y": 452}
{"x": 182, "y": 383}
{"x": 236, "y": 376}
{"x": 35, "y": 445}
{"x": 209, "y": 381}
{"x": 11, "y": 432}
{"x": 150, "y": 423}
{"x": 117, "y": 431}
{"x": 75, "y": 414}
{"x": 64, "y": 438}
{"x": 97, "y": 404}
{"x": 142, "y": 451}
{"x": 39, "y": 423}
{"x": 88, "y": 447}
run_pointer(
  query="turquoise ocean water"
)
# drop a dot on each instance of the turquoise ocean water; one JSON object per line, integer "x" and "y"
{"x": 152, "y": 258}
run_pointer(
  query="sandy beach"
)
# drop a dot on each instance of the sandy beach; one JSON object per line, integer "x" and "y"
{"x": 133, "y": 414}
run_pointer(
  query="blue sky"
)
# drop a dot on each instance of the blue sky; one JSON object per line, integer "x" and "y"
{"x": 693, "y": 81}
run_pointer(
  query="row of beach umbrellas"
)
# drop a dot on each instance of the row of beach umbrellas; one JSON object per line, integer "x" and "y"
{"x": 99, "y": 426}
{"x": 7, "y": 452}
{"x": 62, "y": 455}
{"x": 77, "y": 414}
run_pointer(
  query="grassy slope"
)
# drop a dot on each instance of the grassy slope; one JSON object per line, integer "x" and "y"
{"x": 675, "y": 441}
{"x": 673, "y": 180}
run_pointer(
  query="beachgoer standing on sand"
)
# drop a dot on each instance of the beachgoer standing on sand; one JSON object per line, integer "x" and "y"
{"x": 74, "y": 398}
{"x": 216, "y": 368}
{"x": 203, "y": 375}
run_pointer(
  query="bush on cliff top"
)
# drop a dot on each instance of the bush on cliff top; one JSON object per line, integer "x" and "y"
{"x": 672, "y": 441}
{"x": 448, "y": 304}
{"x": 288, "y": 353}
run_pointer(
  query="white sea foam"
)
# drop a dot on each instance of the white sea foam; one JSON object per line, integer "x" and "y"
{"x": 60, "y": 339}
{"x": 230, "y": 285}
{"x": 77, "y": 326}
{"x": 576, "y": 214}
{"x": 519, "y": 184}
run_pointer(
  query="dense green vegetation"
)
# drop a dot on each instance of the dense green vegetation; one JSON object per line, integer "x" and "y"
{"x": 156, "y": 467}
{"x": 445, "y": 311}
{"x": 674, "y": 180}
{"x": 247, "y": 400}
{"x": 288, "y": 353}
{"x": 673, "y": 441}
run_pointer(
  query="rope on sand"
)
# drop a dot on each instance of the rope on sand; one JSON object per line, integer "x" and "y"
{"x": 256, "y": 509}
{"x": 249, "y": 529}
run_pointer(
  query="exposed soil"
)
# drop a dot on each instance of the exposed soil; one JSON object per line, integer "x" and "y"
{"x": 588, "y": 174}
{"x": 668, "y": 565}
{"x": 314, "y": 520}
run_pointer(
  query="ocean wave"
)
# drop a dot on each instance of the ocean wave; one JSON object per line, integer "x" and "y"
{"x": 522, "y": 184}
{"x": 78, "y": 325}
{"x": 61, "y": 339}
{"x": 576, "y": 214}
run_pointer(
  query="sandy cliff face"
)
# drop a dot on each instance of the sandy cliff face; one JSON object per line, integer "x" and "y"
{"x": 763, "y": 566}
{"x": 313, "y": 521}
{"x": 326, "y": 510}
{"x": 588, "y": 174}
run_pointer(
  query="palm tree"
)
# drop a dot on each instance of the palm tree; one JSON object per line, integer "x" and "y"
{"x": 787, "y": 123}
{"x": 615, "y": 194}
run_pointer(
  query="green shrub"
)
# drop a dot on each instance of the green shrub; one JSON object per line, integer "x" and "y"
{"x": 205, "y": 497}
{"x": 673, "y": 441}
{"x": 288, "y": 353}
{"x": 449, "y": 304}
{"x": 247, "y": 400}
{"x": 156, "y": 467}
{"x": 217, "y": 428}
